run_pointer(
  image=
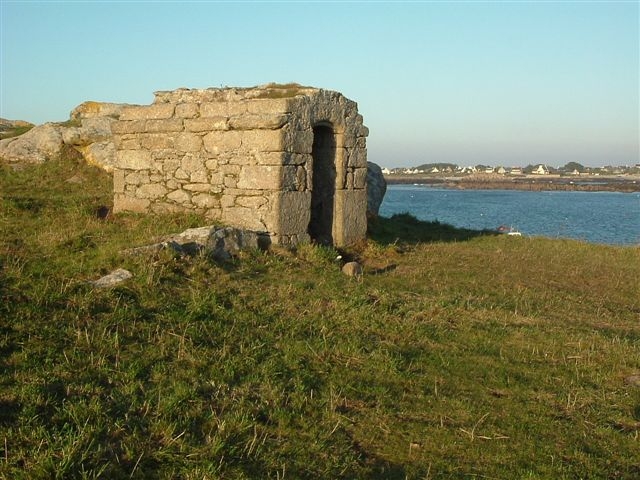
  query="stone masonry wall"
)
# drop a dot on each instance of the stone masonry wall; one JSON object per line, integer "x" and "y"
{"x": 242, "y": 157}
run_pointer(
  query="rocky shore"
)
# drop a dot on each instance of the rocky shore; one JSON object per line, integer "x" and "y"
{"x": 627, "y": 183}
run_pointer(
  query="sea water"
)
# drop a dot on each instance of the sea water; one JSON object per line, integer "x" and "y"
{"x": 598, "y": 217}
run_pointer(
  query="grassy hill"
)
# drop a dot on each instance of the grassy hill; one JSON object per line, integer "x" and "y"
{"x": 457, "y": 355}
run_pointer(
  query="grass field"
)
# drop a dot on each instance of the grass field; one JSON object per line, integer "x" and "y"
{"x": 457, "y": 355}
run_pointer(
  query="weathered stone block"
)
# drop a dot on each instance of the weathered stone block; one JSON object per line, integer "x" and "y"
{"x": 151, "y": 191}
{"x": 294, "y": 212}
{"x": 356, "y": 157}
{"x": 121, "y": 142}
{"x": 180, "y": 174}
{"x": 269, "y": 105}
{"x": 188, "y": 142}
{"x": 222, "y": 109}
{"x": 118, "y": 181}
{"x": 155, "y": 111}
{"x": 134, "y": 126}
{"x": 156, "y": 141}
{"x": 136, "y": 178}
{"x": 267, "y": 158}
{"x": 290, "y": 179}
{"x": 169, "y": 166}
{"x": 221, "y": 142}
{"x": 263, "y": 141}
{"x": 179, "y": 196}
{"x": 197, "y": 187}
{"x": 245, "y": 218}
{"x": 203, "y": 200}
{"x": 299, "y": 141}
{"x": 192, "y": 164}
{"x": 199, "y": 176}
{"x": 212, "y": 165}
{"x": 163, "y": 155}
{"x": 227, "y": 200}
{"x": 186, "y": 110}
{"x": 360, "y": 178}
{"x": 260, "y": 177}
{"x": 213, "y": 109}
{"x": 230, "y": 169}
{"x": 258, "y": 121}
{"x": 348, "y": 181}
{"x": 351, "y": 209}
{"x": 133, "y": 159}
{"x": 251, "y": 202}
{"x": 169, "y": 125}
{"x": 298, "y": 159}
{"x": 206, "y": 124}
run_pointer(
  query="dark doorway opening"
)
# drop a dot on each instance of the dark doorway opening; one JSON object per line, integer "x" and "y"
{"x": 324, "y": 185}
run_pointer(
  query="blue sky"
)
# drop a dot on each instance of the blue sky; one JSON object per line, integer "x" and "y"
{"x": 498, "y": 83}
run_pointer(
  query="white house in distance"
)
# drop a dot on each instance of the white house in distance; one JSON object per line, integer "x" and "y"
{"x": 541, "y": 170}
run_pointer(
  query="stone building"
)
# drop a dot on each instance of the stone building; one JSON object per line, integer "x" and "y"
{"x": 285, "y": 160}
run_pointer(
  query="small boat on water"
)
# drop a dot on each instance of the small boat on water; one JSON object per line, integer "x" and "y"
{"x": 509, "y": 231}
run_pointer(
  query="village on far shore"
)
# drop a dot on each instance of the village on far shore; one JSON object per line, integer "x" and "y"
{"x": 571, "y": 168}
{"x": 572, "y": 176}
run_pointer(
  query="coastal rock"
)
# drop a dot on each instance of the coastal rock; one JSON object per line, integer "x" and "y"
{"x": 99, "y": 154}
{"x": 38, "y": 145}
{"x": 376, "y": 188}
{"x": 88, "y": 132}
{"x": 95, "y": 129}
{"x": 226, "y": 243}
{"x": 222, "y": 243}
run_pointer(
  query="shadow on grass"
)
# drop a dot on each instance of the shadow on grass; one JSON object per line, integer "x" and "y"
{"x": 405, "y": 228}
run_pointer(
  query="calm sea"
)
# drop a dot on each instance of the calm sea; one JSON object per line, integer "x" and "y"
{"x": 598, "y": 217}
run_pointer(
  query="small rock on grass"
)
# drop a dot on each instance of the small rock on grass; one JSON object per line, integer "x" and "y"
{"x": 352, "y": 269}
{"x": 117, "y": 276}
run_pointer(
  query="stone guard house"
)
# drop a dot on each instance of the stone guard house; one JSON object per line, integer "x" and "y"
{"x": 285, "y": 160}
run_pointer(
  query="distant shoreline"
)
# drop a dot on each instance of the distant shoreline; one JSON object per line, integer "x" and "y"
{"x": 626, "y": 184}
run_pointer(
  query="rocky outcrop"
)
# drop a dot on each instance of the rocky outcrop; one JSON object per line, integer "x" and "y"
{"x": 376, "y": 188}
{"x": 221, "y": 243}
{"x": 88, "y": 131}
{"x": 36, "y": 146}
